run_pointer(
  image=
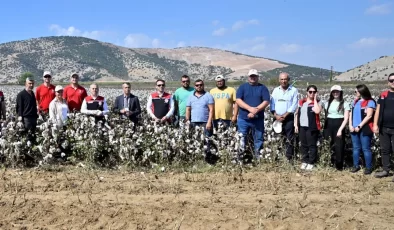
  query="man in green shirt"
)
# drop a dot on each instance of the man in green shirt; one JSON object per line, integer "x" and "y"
{"x": 180, "y": 98}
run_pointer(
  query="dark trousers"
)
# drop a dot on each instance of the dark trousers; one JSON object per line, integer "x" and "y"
{"x": 288, "y": 136}
{"x": 308, "y": 139}
{"x": 30, "y": 124}
{"x": 337, "y": 144}
{"x": 386, "y": 137}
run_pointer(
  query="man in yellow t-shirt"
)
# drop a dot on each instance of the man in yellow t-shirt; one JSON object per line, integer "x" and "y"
{"x": 226, "y": 110}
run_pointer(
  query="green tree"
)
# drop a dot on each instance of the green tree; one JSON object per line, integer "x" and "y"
{"x": 22, "y": 78}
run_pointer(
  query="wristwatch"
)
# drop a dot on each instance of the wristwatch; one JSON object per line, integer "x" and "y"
{"x": 358, "y": 127}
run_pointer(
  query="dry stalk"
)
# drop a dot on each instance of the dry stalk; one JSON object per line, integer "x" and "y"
{"x": 178, "y": 226}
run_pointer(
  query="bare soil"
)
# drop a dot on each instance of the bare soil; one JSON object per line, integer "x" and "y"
{"x": 86, "y": 199}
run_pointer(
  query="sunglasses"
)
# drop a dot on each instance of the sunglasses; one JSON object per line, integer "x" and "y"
{"x": 391, "y": 80}
{"x": 47, "y": 76}
{"x": 185, "y": 81}
{"x": 311, "y": 92}
{"x": 199, "y": 85}
{"x": 161, "y": 85}
{"x": 355, "y": 91}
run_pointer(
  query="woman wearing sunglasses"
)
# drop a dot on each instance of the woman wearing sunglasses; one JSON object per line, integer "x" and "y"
{"x": 307, "y": 124}
{"x": 337, "y": 115}
{"x": 361, "y": 126}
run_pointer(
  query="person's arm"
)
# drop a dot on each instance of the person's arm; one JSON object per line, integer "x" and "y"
{"x": 294, "y": 104}
{"x": 188, "y": 109}
{"x": 52, "y": 112}
{"x": 137, "y": 108}
{"x": 272, "y": 102}
{"x": 376, "y": 119}
{"x": 84, "y": 109}
{"x": 176, "y": 106}
{"x": 366, "y": 118}
{"x": 211, "y": 108}
{"x": 116, "y": 109}
{"x": 105, "y": 108}
{"x": 316, "y": 105}
{"x": 296, "y": 119}
{"x": 344, "y": 122}
{"x": 188, "y": 112}
{"x": 149, "y": 108}
{"x": 19, "y": 105}
{"x": 171, "y": 111}
{"x": 38, "y": 99}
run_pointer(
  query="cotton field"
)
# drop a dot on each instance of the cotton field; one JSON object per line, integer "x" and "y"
{"x": 115, "y": 144}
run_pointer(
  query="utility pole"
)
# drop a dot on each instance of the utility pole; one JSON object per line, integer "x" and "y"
{"x": 331, "y": 74}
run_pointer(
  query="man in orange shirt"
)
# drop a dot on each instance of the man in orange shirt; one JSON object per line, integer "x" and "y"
{"x": 45, "y": 93}
{"x": 74, "y": 94}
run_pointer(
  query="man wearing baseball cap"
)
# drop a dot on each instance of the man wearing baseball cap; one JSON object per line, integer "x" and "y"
{"x": 226, "y": 110}
{"x": 252, "y": 98}
{"x": 74, "y": 94}
{"x": 45, "y": 93}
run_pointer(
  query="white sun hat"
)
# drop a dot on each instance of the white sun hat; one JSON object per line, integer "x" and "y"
{"x": 336, "y": 87}
{"x": 277, "y": 125}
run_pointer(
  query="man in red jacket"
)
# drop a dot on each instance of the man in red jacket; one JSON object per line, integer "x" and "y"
{"x": 45, "y": 93}
{"x": 74, "y": 94}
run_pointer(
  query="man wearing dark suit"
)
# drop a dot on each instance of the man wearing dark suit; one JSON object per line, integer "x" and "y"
{"x": 127, "y": 105}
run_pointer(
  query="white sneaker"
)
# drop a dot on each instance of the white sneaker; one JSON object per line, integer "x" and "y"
{"x": 309, "y": 167}
{"x": 303, "y": 166}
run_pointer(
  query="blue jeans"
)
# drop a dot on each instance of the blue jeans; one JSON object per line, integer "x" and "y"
{"x": 362, "y": 142}
{"x": 257, "y": 128}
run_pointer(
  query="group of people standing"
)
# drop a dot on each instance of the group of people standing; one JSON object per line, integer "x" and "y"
{"x": 245, "y": 107}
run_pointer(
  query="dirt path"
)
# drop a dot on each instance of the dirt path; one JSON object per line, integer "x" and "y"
{"x": 33, "y": 199}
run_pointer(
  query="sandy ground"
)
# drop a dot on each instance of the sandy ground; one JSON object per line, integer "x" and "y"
{"x": 81, "y": 199}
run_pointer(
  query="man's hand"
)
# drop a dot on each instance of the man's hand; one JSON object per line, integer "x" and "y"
{"x": 253, "y": 110}
{"x": 122, "y": 111}
{"x": 99, "y": 113}
{"x": 251, "y": 115}
{"x": 339, "y": 133}
{"x": 208, "y": 126}
{"x": 234, "y": 119}
{"x": 156, "y": 119}
{"x": 376, "y": 129}
{"x": 279, "y": 118}
{"x": 164, "y": 119}
{"x": 351, "y": 129}
{"x": 357, "y": 129}
{"x": 296, "y": 129}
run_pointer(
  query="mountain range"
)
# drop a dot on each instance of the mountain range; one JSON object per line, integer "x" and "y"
{"x": 100, "y": 61}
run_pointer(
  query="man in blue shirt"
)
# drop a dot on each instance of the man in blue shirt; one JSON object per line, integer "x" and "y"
{"x": 283, "y": 105}
{"x": 252, "y": 99}
{"x": 199, "y": 110}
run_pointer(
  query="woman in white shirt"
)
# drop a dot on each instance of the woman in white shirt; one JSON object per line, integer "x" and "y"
{"x": 58, "y": 108}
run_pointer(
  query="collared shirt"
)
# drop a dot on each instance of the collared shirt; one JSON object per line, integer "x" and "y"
{"x": 74, "y": 97}
{"x": 97, "y": 103}
{"x": 283, "y": 101}
{"x": 44, "y": 96}
{"x": 58, "y": 111}
{"x": 199, "y": 106}
{"x": 181, "y": 95}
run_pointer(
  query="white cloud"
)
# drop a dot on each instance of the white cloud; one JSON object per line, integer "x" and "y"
{"x": 141, "y": 41}
{"x": 371, "y": 42}
{"x": 241, "y": 24}
{"x": 181, "y": 44}
{"x": 219, "y": 32}
{"x": 72, "y": 31}
{"x": 290, "y": 48}
{"x": 379, "y": 9}
{"x": 215, "y": 22}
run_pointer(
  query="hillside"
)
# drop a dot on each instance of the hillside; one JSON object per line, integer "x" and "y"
{"x": 99, "y": 61}
{"x": 376, "y": 70}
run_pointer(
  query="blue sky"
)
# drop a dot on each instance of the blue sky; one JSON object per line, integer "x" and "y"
{"x": 341, "y": 33}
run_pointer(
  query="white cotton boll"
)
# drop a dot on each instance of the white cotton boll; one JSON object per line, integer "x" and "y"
{"x": 28, "y": 143}
{"x": 162, "y": 169}
{"x": 62, "y": 154}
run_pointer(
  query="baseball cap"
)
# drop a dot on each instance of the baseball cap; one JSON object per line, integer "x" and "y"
{"x": 219, "y": 78}
{"x": 253, "y": 72}
{"x": 336, "y": 87}
{"x": 58, "y": 88}
{"x": 75, "y": 75}
{"x": 46, "y": 73}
